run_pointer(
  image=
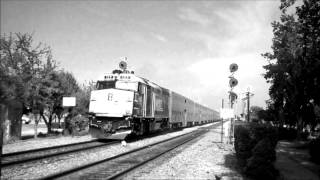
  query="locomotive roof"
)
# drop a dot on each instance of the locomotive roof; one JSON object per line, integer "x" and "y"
{"x": 130, "y": 78}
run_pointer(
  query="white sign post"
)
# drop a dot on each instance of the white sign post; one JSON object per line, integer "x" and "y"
{"x": 69, "y": 101}
{"x": 226, "y": 113}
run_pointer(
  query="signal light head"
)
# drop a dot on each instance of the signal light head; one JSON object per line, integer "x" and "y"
{"x": 123, "y": 65}
{"x": 233, "y": 67}
{"x": 233, "y": 82}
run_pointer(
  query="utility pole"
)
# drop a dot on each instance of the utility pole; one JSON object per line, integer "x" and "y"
{"x": 2, "y": 120}
{"x": 248, "y": 106}
{"x": 248, "y": 94}
{"x": 222, "y": 122}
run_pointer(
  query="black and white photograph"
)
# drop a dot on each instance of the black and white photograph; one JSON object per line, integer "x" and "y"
{"x": 160, "y": 89}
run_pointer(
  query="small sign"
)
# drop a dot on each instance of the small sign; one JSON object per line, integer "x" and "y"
{"x": 226, "y": 113}
{"x": 69, "y": 101}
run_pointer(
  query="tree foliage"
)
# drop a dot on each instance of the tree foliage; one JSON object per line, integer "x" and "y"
{"x": 256, "y": 113}
{"x": 294, "y": 64}
{"x": 30, "y": 75}
{"x": 56, "y": 85}
{"x": 22, "y": 69}
{"x": 21, "y": 66}
{"x": 83, "y": 97}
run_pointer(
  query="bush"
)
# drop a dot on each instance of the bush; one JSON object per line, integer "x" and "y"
{"x": 80, "y": 122}
{"x": 287, "y": 133}
{"x": 291, "y": 134}
{"x": 77, "y": 125}
{"x": 243, "y": 144}
{"x": 255, "y": 150}
{"x": 314, "y": 150}
{"x": 260, "y": 164}
{"x": 262, "y": 131}
{"x": 258, "y": 168}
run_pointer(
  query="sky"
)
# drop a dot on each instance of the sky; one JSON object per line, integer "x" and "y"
{"x": 185, "y": 46}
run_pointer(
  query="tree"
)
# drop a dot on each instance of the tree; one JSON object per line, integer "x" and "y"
{"x": 294, "y": 63}
{"x": 57, "y": 84}
{"x": 20, "y": 68}
{"x": 83, "y": 97}
{"x": 29, "y": 76}
{"x": 68, "y": 87}
{"x": 256, "y": 113}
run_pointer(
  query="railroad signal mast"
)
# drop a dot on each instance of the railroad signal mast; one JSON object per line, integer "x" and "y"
{"x": 232, "y": 97}
{"x": 232, "y": 83}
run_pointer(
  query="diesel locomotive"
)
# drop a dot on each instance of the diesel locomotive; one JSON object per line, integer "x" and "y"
{"x": 124, "y": 103}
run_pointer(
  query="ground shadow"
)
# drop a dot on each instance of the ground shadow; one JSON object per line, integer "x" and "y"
{"x": 298, "y": 152}
{"x": 230, "y": 161}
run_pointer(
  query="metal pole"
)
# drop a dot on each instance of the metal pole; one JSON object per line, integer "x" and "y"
{"x": 222, "y": 123}
{"x": 230, "y": 128}
{"x": 2, "y": 119}
{"x": 248, "y": 106}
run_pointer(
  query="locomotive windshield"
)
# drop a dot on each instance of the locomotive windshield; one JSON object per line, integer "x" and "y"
{"x": 106, "y": 84}
{"x": 133, "y": 86}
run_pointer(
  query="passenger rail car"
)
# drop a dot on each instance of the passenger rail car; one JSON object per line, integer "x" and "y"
{"x": 124, "y": 103}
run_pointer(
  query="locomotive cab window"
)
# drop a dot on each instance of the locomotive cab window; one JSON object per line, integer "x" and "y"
{"x": 105, "y": 84}
{"x": 133, "y": 86}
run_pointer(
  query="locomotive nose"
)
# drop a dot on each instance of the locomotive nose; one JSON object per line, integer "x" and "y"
{"x": 111, "y": 103}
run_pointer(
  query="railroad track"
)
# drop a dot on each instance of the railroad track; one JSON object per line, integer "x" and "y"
{"x": 20, "y": 157}
{"x": 119, "y": 165}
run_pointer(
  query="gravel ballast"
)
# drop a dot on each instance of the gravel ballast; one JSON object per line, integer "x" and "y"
{"x": 205, "y": 158}
{"x": 29, "y": 144}
{"x": 43, "y": 168}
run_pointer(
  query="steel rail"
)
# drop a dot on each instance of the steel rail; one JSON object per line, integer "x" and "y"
{"x": 64, "y": 173}
{"x": 44, "y": 155}
{"x": 83, "y": 167}
{"x": 45, "y": 148}
{"x": 119, "y": 174}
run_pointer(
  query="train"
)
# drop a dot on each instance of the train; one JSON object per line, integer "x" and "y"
{"x": 124, "y": 104}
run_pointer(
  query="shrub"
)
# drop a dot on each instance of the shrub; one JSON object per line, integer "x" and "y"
{"x": 80, "y": 122}
{"x": 258, "y": 168}
{"x": 78, "y": 125}
{"x": 291, "y": 134}
{"x": 287, "y": 133}
{"x": 255, "y": 150}
{"x": 262, "y": 131}
{"x": 260, "y": 164}
{"x": 243, "y": 144}
{"x": 314, "y": 150}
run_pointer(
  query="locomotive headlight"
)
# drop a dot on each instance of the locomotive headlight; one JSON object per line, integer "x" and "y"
{"x": 107, "y": 127}
{"x": 127, "y": 112}
{"x": 110, "y": 96}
